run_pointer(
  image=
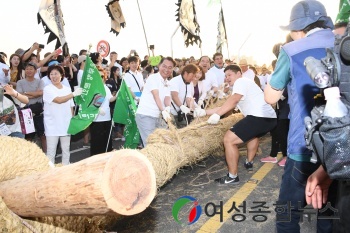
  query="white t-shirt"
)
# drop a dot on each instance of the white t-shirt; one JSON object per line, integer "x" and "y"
{"x": 56, "y": 116}
{"x": 148, "y": 105}
{"x": 120, "y": 68}
{"x": 79, "y": 76}
{"x": 219, "y": 74}
{"x": 210, "y": 80}
{"x": 47, "y": 81}
{"x": 249, "y": 74}
{"x": 252, "y": 102}
{"x": 131, "y": 83}
{"x": 105, "y": 107}
{"x": 37, "y": 75}
{"x": 177, "y": 84}
{"x": 4, "y": 79}
{"x": 264, "y": 79}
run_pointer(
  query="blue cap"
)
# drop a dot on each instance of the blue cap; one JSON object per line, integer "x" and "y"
{"x": 305, "y": 13}
{"x": 54, "y": 62}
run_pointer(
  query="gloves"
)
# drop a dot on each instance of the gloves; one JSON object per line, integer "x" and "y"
{"x": 200, "y": 102}
{"x": 101, "y": 111}
{"x": 214, "y": 119}
{"x": 167, "y": 109}
{"x": 166, "y": 114}
{"x": 77, "y": 92}
{"x": 199, "y": 112}
{"x": 221, "y": 94}
{"x": 185, "y": 109}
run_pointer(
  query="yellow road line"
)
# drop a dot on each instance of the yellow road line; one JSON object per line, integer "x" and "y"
{"x": 214, "y": 224}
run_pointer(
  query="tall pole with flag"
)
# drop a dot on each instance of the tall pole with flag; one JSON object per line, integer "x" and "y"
{"x": 125, "y": 113}
{"x": 222, "y": 35}
{"x": 90, "y": 100}
{"x": 143, "y": 26}
{"x": 186, "y": 15}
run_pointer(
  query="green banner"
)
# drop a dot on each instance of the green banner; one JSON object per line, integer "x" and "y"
{"x": 344, "y": 12}
{"x": 124, "y": 113}
{"x": 90, "y": 100}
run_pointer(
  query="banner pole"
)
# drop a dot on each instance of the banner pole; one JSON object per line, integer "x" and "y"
{"x": 143, "y": 26}
{"x": 171, "y": 40}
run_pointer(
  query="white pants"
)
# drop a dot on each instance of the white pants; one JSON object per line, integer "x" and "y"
{"x": 52, "y": 142}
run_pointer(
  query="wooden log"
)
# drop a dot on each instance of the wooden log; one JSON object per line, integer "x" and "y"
{"x": 120, "y": 181}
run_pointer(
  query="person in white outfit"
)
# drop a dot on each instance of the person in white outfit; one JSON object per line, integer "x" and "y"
{"x": 58, "y": 110}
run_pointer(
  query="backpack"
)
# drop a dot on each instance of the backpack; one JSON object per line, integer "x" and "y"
{"x": 327, "y": 137}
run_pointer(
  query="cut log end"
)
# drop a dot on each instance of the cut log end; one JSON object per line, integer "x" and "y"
{"x": 129, "y": 183}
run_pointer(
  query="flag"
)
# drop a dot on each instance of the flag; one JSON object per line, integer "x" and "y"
{"x": 186, "y": 15}
{"x": 90, "y": 100}
{"x": 124, "y": 113}
{"x": 51, "y": 17}
{"x": 117, "y": 18}
{"x": 222, "y": 38}
{"x": 344, "y": 12}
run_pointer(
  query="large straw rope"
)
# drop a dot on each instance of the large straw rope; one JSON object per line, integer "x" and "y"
{"x": 169, "y": 150}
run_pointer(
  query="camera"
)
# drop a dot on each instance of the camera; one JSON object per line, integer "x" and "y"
{"x": 180, "y": 116}
{"x": 325, "y": 72}
{"x": 41, "y": 46}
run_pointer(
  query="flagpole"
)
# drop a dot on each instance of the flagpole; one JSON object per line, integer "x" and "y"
{"x": 143, "y": 26}
{"x": 239, "y": 50}
{"x": 109, "y": 137}
{"x": 222, "y": 10}
{"x": 171, "y": 40}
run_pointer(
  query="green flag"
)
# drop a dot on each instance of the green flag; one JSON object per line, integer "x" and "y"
{"x": 344, "y": 12}
{"x": 90, "y": 100}
{"x": 124, "y": 113}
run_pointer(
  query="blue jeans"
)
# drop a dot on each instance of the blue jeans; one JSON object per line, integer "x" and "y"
{"x": 293, "y": 191}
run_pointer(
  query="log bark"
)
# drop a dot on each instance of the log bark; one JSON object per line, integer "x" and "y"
{"x": 120, "y": 181}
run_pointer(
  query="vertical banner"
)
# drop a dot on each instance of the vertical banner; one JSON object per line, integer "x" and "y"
{"x": 117, "y": 18}
{"x": 222, "y": 38}
{"x": 51, "y": 17}
{"x": 344, "y": 12}
{"x": 125, "y": 113}
{"x": 186, "y": 15}
{"x": 90, "y": 100}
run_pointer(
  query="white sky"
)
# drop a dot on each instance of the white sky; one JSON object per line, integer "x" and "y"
{"x": 86, "y": 21}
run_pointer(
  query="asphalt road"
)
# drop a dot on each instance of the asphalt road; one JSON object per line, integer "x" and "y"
{"x": 259, "y": 186}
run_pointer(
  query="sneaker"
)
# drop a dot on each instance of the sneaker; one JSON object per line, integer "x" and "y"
{"x": 227, "y": 180}
{"x": 248, "y": 165}
{"x": 269, "y": 159}
{"x": 86, "y": 145}
{"x": 123, "y": 139}
{"x": 282, "y": 162}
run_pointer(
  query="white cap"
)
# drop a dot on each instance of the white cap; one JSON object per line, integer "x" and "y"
{"x": 331, "y": 92}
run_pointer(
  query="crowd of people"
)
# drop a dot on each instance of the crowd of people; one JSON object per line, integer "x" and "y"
{"x": 167, "y": 89}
